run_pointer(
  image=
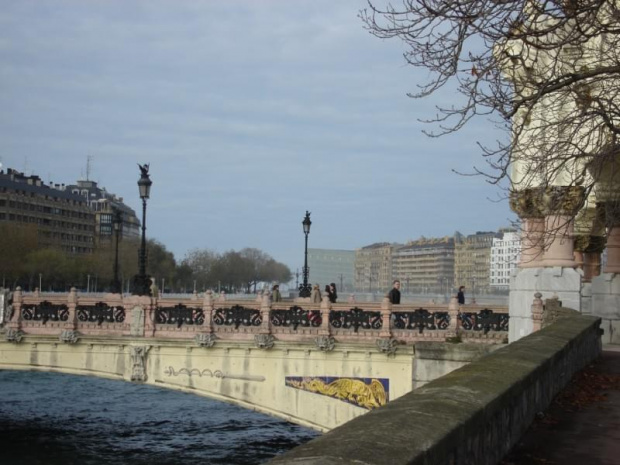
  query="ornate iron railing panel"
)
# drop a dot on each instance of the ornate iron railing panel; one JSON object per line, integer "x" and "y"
{"x": 45, "y": 311}
{"x": 236, "y": 316}
{"x": 485, "y": 320}
{"x": 421, "y": 319}
{"x": 179, "y": 315}
{"x": 295, "y": 317}
{"x": 355, "y": 318}
{"x": 100, "y": 312}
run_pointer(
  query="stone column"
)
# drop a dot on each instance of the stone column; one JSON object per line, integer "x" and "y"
{"x": 207, "y": 308}
{"x": 72, "y": 299}
{"x": 15, "y": 323}
{"x": 537, "y": 312}
{"x": 527, "y": 204}
{"x": 453, "y": 310}
{"x": 265, "y": 311}
{"x": 561, "y": 205}
{"x": 386, "y": 314}
{"x": 326, "y": 308}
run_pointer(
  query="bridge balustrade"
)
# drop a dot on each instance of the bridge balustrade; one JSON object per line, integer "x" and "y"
{"x": 302, "y": 321}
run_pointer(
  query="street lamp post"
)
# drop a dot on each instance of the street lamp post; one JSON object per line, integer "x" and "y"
{"x": 141, "y": 281}
{"x": 304, "y": 289}
{"x": 117, "y": 223}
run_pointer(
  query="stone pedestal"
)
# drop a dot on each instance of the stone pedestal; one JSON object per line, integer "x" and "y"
{"x": 565, "y": 283}
{"x": 606, "y": 305}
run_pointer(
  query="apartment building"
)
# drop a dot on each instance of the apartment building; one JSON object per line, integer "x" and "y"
{"x": 63, "y": 219}
{"x": 505, "y": 254}
{"x": 373, "y": 267}
{"x": 472, "y": 261}
{"x": 104, "y": 204}
{"x": 425, "y": 265}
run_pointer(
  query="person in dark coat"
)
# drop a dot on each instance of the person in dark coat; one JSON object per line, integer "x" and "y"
{"x": 331, "y": 293}
{"x": 461, "y": 295}
{"x": 394, "y": 294}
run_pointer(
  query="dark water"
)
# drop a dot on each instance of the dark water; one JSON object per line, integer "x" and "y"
{"x": 53, "y": 419}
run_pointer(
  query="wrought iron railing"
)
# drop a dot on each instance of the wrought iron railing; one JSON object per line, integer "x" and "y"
{"x": 295, "y": 317}
{"x": 355, "y": 318}
{"x": 236, "y": 316}
{"x": 100, "y": 312}
{"x": 485, "y": 320}
{"x": 45, "y": 311}
{"x": 421, "y": 319}
{"x": 179, "y": 315}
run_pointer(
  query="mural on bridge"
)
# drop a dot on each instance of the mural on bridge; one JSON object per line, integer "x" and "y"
{"x": 368, "y": 393}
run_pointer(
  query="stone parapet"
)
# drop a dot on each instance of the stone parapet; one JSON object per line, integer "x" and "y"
{"x": 472, "y": 415}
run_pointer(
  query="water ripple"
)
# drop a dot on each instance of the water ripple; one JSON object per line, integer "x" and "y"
{"x": 54, "y": 419}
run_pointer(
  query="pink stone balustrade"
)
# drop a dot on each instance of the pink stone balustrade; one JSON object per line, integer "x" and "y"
{"x": 261, "y": 319}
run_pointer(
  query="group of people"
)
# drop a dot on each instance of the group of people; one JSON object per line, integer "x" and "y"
{"x": 330, "y": 292}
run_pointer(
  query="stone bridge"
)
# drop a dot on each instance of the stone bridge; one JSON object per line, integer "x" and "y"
{"x": 318, "y": 365}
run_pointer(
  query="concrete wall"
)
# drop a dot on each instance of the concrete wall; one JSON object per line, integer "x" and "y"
{"x": 473, "y": 415}
{"x": 237, "y": 373}
{"x": 436, "y": 359}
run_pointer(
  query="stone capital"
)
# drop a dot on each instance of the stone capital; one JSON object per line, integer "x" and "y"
{"x": 527, "y": 203}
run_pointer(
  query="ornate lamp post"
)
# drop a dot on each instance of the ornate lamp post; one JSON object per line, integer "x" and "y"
{"x": 117, "y": 223}
{"x": 141, "y": 285}
{"x": 304, "y": 288}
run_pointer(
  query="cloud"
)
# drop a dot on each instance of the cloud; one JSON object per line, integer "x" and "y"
{"x": 250, "y": 112}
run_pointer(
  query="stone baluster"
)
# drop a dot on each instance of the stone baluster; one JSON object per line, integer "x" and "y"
{"x": 15, "y": 322}
{"x": 259, "y": 297}
{"x": 326, "y": 307}
{"x": 386, "y": 317}
{"x": 265, "y": 314}
{"x": 454, "y": 327}
{"x": 208, "y": 305}
{"x": 72, "y": 300}
{"x": 537, "y": 312}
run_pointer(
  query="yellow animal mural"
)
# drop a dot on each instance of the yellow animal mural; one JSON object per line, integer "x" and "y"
{"x": 368, "y": 393}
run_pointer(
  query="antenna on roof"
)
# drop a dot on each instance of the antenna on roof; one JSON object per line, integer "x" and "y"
{"x": 89, "y": 160}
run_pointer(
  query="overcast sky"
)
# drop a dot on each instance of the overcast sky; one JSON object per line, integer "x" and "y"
{"x": 250, "y": 112}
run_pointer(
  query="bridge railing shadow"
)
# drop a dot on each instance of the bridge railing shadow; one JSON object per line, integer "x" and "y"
{"x": 215, "y": 316}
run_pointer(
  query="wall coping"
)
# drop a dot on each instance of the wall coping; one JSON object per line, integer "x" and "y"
{"x": 473, "y": 415}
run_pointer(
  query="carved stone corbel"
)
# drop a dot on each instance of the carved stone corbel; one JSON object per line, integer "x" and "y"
{"x": 206, "y": 340}
{"x": 69, "y": 336}
{"x": 138, "y": 360}
{"x": 14, "y": 335}
{"x": 264, "y": 341}
{"x": 325, "y": 343}
{"x": 387, "y": 345}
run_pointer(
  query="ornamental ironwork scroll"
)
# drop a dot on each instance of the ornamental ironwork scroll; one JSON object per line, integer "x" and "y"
{"x": 355, "y": 318}
{"x": 179, "y": 315}
{"x": 100, "y": 312}
{"x": 421, "y": 319}
{"x": 236, "y": 316}
{"x": 45, "y": 311}
{"x": 485, "y": 320}
{"x": 295, "y": 317}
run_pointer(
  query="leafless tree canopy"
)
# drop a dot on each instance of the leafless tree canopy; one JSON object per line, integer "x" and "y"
{"x": 547, "y": 71}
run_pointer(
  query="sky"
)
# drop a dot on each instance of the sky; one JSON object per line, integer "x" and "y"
{"x": 250, "y": 112}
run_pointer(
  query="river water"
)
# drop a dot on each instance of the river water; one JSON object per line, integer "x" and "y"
{"x": 54, "y": 419}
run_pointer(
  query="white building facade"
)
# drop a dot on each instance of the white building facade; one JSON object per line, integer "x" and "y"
{"x": 505, "y": 254}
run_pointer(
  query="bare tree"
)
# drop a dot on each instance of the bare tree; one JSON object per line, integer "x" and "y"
{"x": 546, "y": 71}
